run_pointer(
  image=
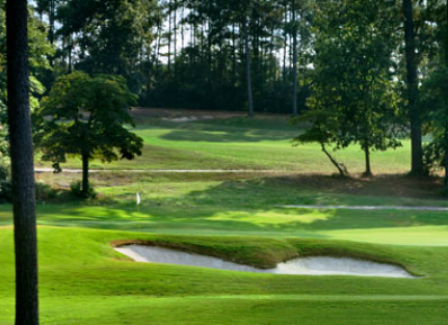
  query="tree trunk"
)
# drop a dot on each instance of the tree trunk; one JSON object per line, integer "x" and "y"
{"x": 175, "y": 39}
{"x": 159, "y": 36}
{"x": 446, "y": 145}
{"x": 85, "y": 175}
{"x": 446, "y": 103}
{"x": 340, "y": 167}
{"x": 368, "y": 172}
{"x": 294, "y": 110}
{"x": 285, "y": 45}
{"x": 412, "y": 83}
{"x": 233, "y": 55}
{"x": 22, "y": 164}
{"x": 52, "y": 19}
{"x": 250, "y": 101}
{"x": 169, "y": 36}
{"x": 70, "y": 49}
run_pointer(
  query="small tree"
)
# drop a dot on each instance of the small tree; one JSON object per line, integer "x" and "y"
{"x": 352, "y": 74}
{"x": 85, "y": 116}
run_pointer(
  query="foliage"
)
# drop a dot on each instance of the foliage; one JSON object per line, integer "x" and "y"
{"x": 352, "y": 76}
{"x": 78, "y": 192}
{"x": 324, "y": 131}
{"x": 85, "y": 116}
{"x": 45, "y": 192}
{"x": 39, "y": 50}
{"x": 107, "y": 37}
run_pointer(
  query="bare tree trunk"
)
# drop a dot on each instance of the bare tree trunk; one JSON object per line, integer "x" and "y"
{"x": 70, "y": 50}
{"x": 159, "y": 36}
{"x": 169, "y": 36}
{"x": 233, "y": 55}
{"x": 250, "y": 100}
{"x": 368, "y": 172}
{"x": 175, "y": 38}
{"x": 412, "y": 83}
{"x": 22, "y": 164}
{"x": 52, "y": 20}
{"x": 294, "y": 110}
{"x": 85, "y": 175}
{"x": 183, "y": 27}
{"x": 446, "y": 103}
{"x": 286, "y": 41}
{"x": 51, "y": 15}
{"x": 340, "y": 167}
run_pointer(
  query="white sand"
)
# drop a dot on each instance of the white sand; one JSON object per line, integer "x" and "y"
{"x": 300, "y": 266}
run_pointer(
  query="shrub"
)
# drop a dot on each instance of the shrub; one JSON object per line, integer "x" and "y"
{"x": 45, "y": 192}
{"x": 76, "y": 191}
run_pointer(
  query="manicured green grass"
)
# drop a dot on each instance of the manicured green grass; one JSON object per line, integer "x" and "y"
{"x": 84, "y": 281}
{"x": 236, "y": 217}
{"x": 241, "y": 143}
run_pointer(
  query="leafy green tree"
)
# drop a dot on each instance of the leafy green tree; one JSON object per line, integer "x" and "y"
{"x": 434, "y": 91}
{"x": 86, "y": 117}
{"x": 352, "y": 75}
{"x": 111, "y": 36}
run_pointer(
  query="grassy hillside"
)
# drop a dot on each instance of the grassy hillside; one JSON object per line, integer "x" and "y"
{"x": 264, "y": 143}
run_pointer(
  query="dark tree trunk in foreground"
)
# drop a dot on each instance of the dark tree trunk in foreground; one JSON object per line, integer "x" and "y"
{"x": 22, "y": 164}
{"x": 85, "y": 175}
{"x": 250, "y": 100}
{"x": 295, "y": 111}
{"x": 412, "y": 83}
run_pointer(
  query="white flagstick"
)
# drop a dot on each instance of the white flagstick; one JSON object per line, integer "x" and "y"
{"x": 139, "y": 201}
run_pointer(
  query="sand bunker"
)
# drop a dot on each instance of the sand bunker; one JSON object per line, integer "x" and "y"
{"x": 300, "y": 266}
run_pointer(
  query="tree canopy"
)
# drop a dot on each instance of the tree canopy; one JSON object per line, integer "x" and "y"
{"x": 86, "y": 116}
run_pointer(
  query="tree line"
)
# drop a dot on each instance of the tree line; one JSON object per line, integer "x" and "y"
{"x": 366, "y": 72}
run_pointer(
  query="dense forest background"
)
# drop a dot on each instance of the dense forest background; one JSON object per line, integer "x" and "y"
{"x": 189, "y": 53}
{"x": 370, "y": 72}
